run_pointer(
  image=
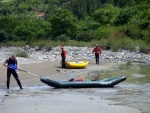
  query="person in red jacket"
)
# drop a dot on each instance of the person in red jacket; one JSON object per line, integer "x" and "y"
{"x": 97, "y": 50}
{"x": 63, "y": 56}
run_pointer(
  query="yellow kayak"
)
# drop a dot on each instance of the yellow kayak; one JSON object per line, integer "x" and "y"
{"x": 77, "y": 65}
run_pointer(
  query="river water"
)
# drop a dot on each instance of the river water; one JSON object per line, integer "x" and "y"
{"x": 134, "y": 92}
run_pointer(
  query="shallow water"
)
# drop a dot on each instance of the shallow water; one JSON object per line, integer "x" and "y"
{"x": 2, "y": 94}
{"x": 134, "y": 92}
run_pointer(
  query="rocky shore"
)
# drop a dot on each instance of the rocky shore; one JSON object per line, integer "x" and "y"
{"x": 38, "y": 97}
{"x": 79, "y": 53}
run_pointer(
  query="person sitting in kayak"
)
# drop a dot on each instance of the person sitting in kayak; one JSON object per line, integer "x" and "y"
{"x": 97, "y": 50}
{"x": 63, "y": 56}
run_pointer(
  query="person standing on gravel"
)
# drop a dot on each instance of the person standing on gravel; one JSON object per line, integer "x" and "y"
{"x": 13, "y": 61}
{"x": 63, "y": 56}
{"x": 97, "y": 50}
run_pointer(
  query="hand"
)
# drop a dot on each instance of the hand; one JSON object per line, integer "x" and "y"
{"x": 8, "y": 66}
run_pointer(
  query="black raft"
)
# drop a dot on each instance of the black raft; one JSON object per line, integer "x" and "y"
{"x": 107, "y": 82}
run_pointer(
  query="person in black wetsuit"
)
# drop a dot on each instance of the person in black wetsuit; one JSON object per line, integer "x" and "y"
{"x": 12, "y": 60}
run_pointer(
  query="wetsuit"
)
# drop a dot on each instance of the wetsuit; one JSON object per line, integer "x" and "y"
{"x": 13, "y": 72}
{"x": 97, "y": 51}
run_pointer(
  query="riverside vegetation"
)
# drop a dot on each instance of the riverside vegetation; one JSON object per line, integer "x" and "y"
{"x": 119, "y": 24}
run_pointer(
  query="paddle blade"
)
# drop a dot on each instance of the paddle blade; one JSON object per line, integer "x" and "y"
{"x": 13, "y": 66}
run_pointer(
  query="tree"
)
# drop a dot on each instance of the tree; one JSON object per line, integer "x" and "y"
{"x": 79, "y": 8}
{"x": 63, "y": 22}
{"x": 125, "y": 15}
{"x": 3, "y": 36}
{"x": 86, "y": 36}
{"x": 29, "y": 30}
{"x": 106, "y": 14}
{"x": 88, "y": 24}
{"x": 52, "y": 7}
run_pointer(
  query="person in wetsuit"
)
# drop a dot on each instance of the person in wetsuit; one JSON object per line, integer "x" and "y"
{"x": 12, "y": 60}
{"x": 97, "y": 50}
{"x": 63, "y": 56}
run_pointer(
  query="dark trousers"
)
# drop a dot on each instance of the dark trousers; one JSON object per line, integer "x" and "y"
{"x": 97, "y": 59}
{"x": 13, "y": 72}
{"x": 63, "y": 62}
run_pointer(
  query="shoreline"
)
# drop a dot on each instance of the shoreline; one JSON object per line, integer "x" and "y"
{"x": 38, "y": 95}
{"x": 47, "y": 64}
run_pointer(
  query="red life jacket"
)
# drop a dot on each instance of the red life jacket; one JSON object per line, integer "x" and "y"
{"x": 97, "y": 51}
{"x": 79, "y": 79}
{"x": 63, "y": 53}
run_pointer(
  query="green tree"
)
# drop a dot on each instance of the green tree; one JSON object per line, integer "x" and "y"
{"x": 86, "y": 36}
{"x": 125, "y": 15}
{"x": 106, "y": 14}
{"x": 52, "y": 7}
{"x": 8, "y": 23}
{"x": 62, "y": 38}
{"x": 3, "y": 36}
{"x": 79, "y": 8}
{"x": 88, "y": 24}
{"x": 29, "y": 30}
{"x": 63, "y": 22}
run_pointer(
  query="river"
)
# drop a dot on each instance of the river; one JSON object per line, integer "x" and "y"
{"x": 134, "y": 92}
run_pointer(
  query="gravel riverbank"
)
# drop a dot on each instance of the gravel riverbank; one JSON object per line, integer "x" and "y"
{"x": 73, "y": 53}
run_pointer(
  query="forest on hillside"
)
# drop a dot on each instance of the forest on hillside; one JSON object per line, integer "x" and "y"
{"x": 109, "y": 22}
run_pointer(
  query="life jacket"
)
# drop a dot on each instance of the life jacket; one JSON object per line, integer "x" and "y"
{"x": 73, "y": 79}
{"x": 79, "y": 79}
{"x": 63, "y": 54}
{"x": 97, "y": 51}
{"x": 10, "y": 61}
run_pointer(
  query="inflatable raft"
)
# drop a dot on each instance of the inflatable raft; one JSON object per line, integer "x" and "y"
{"x": 77, "y": 65}
{"x": 108, "y": 82}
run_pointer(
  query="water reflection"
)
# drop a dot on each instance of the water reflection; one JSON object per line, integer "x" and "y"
{"x": 135, "y": 91}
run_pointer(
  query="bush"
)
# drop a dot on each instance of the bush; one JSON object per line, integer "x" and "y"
{"x": 3, "y": 35}
{"x": 22, "y": 54}
{"x": 145, "y": 50}
{"x": 17, "y": 43}
{"x": 102, "y": 32}
{"x": 114, "y": 43}
{"x": 86, "y": 36}
{"x": 128, "y": 44}
{"x": 62, "y": 38}
{"x": 128, "y": 65}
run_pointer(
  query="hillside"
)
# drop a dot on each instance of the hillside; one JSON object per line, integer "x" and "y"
{"x": 122, "y": 21}
{"x": 80, "y": 8}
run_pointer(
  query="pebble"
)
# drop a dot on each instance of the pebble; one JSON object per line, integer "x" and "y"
{"x": 80, "y": 53}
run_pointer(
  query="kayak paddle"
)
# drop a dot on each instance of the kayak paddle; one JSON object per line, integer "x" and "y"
{"x": 16, "y": 68}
